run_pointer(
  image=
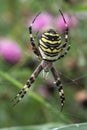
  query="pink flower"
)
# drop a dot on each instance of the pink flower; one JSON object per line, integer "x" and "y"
{"x": 42, "y": 21}
{"x": 47, "y": 89}
{"x": 60, "y": 22}
{"x": 74, "y": 21}
{"x": 71, "y": 22}
{"x": 43, "y": 91}
{"x": 9, "y": 50}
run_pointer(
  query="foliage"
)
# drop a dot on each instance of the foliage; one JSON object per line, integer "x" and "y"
{"x": 81, "y": 126}
{"x": 38, "y": 108}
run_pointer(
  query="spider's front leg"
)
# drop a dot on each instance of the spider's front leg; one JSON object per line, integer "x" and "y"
{"x": 59, "y": 86}
{"x": 34, "y": 47}
{"x": 66, "y": 46}
{"x": 28, "y": 84}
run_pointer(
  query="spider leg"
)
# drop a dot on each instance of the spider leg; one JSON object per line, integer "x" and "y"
{"x": 66, "y": 46}
{"x": 28, "y": 84}
{"x": 34, "y": 47}
{"x": 59, "y": 86}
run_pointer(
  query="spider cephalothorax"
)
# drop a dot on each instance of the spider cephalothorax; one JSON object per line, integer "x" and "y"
{"x": 49, "y": 49}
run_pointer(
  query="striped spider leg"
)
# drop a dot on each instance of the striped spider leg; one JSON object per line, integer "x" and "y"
{"x": 66, "y": 45}
{"x": 59, "y": 86}
{"x": 34, "y": 47}
{"x": 49, "y": 50}
{"x": 28, "y": 84}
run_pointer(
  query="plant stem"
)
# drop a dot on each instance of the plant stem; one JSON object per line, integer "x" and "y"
{"x": 34, "y": 96}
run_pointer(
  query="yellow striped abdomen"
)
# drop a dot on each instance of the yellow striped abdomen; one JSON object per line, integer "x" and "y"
{"x": 49, "y": 45}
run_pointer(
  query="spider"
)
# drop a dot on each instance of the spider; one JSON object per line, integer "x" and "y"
{"x": 49, "y": 49}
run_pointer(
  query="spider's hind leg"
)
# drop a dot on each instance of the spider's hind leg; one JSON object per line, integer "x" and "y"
{"x": 28, "y": 84}
{"x": 59, "y": 86}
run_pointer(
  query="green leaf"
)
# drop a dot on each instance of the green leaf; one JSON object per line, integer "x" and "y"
{"x": 81, "y": 8}
{"x": 81, "y": 126}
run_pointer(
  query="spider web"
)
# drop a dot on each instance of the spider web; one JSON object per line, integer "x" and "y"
{"x": 75, "y": 80}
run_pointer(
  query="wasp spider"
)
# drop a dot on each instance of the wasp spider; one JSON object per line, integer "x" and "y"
{"x": 50, "y": 48}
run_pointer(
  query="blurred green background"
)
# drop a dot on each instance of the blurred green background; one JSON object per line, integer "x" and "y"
{"x": 42, "y": 104}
